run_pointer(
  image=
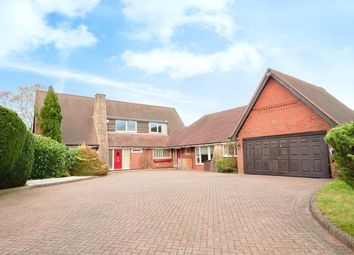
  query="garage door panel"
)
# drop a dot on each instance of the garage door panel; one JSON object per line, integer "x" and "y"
{"x": 302, "y": 155}
{"x": 294, "y": 165}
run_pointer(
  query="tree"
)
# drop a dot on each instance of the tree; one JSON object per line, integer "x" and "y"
{"x": 51, "y": 116}
{"x": 22, "y": 102}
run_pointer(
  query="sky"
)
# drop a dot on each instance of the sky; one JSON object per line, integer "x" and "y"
{"x": 198, "y": 56}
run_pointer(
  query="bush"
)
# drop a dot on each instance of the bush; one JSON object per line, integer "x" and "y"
{"x": 49, "y": 158}
{"x": 25, "y": 163}
{"x": 87, "y": 163}
{"x": 227, "y": 165}
{"x": 71, "y": 159}
{"x": 16, "y": 150}
{"x": 341, "y": 138}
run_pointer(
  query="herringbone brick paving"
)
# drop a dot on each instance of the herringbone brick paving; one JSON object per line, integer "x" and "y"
{"x": 166, "y": 212}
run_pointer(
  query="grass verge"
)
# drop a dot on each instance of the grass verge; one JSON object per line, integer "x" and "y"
{"x": 336, "y": 202}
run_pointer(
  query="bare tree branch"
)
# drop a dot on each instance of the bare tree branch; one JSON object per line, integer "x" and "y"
{"x": 22, "y": 102}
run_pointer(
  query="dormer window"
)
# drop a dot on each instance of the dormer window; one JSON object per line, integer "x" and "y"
{"x": 158, "y": 128}
{"x": 126, "y": 126}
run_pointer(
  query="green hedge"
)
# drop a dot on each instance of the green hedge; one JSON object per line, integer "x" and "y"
{"x": 226, "y": 165}
{"x": 16, "y": 150}
{"x": 341, "y": 138}
{"x": 49, "y": 158}
{"x": 87, "y": 163}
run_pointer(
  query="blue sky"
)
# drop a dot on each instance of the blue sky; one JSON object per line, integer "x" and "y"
{"x": 199, "y": 56}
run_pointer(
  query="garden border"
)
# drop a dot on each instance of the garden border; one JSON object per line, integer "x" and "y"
{"x": 339, "y": 234}
{"x": 10, "y": 190}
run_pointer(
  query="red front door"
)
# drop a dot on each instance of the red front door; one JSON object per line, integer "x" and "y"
{"x": 117, "y": 159}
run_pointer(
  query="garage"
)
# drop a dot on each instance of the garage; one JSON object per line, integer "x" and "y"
{"x": 304, "y": 155}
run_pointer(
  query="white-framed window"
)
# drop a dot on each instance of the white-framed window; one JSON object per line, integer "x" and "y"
{"x": 158, "y": 128}
{"x": 126, "y": 126}
{"x": 162, "y": 153}
{"x": 136, "y": 150}
{"x": 229, "y": 150}
{"x": 203, "y": 153}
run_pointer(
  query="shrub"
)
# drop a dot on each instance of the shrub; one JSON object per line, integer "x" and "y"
{"x": 71, "y": 158}
{"x": 341, "y": 138}
{"x": 49, "y": 158}
{"x": 227, "y": 165}
{"x": 87, "y": 163}
{"x": 25, "y": 163}
{"x": 16, "y": 150}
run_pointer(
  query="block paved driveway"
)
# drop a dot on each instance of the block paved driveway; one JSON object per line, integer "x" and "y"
{"x": 166, "y": 212}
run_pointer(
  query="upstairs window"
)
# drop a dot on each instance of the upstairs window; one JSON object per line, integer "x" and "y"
{"x": 162, "y": 153}
{"x": 158, "y": 128}
{"x": 126, "y": 126}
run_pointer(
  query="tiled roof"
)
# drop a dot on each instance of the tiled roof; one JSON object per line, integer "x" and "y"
{"x": 319, "y": 97}
{"x": 211, "y": 128}
{"x": 146, "y": 112}
{"x": 326, "y": 105}
{"x": 78, "y": 125}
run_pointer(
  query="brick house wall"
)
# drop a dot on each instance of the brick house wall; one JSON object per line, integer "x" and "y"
{"x": 145, "y": 160}
{"x": 278, "y": 112}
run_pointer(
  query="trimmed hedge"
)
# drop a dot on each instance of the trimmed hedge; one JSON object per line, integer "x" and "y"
{"x": 341, "y": 138}
{"x": 49, "y": 158}
{"x": 16, "y": 150}
{"x": 25, "y": 163}
{"x": 87, "y": 163}
{"x": 226, "y": 165}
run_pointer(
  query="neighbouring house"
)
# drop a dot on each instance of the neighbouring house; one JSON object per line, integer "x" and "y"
{"x": 199, "y": 145}
{"x": 280, "y": 132}
{"x": 127, "y": 135}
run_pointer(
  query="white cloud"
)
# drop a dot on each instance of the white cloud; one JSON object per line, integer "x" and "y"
{"x": 24, "y": 25}
{"x": 182, "y": 64}
{"x": 160, "y": 18}
{"x": 137, "y": 88}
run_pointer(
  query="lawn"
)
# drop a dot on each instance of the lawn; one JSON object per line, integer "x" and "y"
{"x": 336, "y": 202}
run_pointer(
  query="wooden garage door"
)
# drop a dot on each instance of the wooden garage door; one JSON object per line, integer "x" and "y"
{"x": 300, "y": 155}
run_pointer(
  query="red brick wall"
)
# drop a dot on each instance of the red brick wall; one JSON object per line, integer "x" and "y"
{"x": 278, "y": 112}
{"x": 145, "y": 160}
{"x": 191, "y": 160}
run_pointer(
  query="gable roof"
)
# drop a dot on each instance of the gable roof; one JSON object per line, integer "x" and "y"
{"x": 211, "y": 128}
{"x": 317, "y": 98}
{"x": 78, "y": 125}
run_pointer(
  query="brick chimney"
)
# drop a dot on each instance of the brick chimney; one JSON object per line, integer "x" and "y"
{"x": 100, "y": 120}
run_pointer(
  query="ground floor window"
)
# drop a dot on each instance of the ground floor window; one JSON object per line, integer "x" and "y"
{"x": 162, "y": 153}
{"x": 230, "y": 150}
{"x": 203, "y": 153}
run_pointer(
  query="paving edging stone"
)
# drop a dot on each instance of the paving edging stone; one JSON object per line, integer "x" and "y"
{"x": 339, "y": 234}
{"x": 10, "y": 190}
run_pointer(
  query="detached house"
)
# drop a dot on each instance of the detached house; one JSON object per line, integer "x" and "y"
{"x": 280, "y": 132}
{"x": 127, "y": 135}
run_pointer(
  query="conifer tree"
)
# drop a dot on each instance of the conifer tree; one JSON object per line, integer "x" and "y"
{"x": 51, "y": 116}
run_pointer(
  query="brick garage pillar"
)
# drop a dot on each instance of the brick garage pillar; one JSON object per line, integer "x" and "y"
{"x": 100, "y": 120}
